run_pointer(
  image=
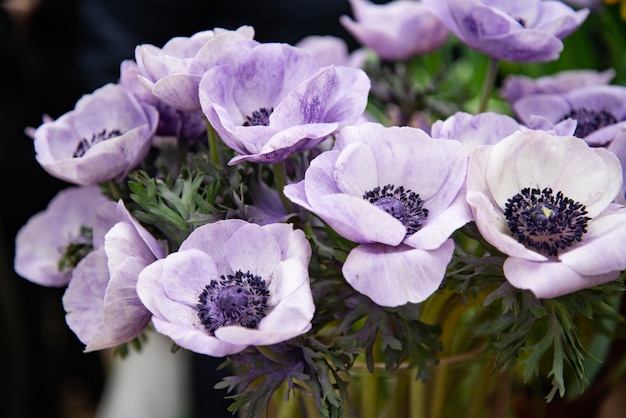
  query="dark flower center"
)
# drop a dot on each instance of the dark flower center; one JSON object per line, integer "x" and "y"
{"x": 259, "y": 117}
{"x": 235, "y": 299}
{"x": 405, "y": 206}
{"x": 590, "y": 121}
{"x": 544, "y": 221}
{"x": 78, "y": 248}
{"x": 85, "y": 144}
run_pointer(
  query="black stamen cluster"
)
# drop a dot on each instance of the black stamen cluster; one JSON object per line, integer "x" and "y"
{"x": 590, "y": 121}
{"x": 544, "y": 221}
{"x": 235, "y": 299}
{"x": 259, "y": 117}
{"x": 85, "y": 144}
{"x": 405, "y": 206}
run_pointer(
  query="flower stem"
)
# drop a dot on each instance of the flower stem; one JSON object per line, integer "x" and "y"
{"x": 216, "y": 157}
{"x": 490, "y": 79}
{"x": 280, "y": 178}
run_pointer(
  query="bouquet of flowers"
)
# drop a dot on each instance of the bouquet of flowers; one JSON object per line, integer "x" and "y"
{"x": 424, "y": 225}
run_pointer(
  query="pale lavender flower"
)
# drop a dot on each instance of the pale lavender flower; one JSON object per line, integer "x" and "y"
{"x": 101, "y": 302}
{"x": 172, "y": 73}
{"x": 277, "y": 101}
{"x": 546, "y": 202}
{"x": 528, "y": 31}
{"x": 50, "y": 244}
{"x": 106, "y": 136}
{"x": 515, "y": 87}
{"x": 231, "y": 284}
{"x": 489, "y": 128}
{"x": 398, "y": 192}
{"x": 184, "y": 125}
{"x": 397, "y": 30}
{"x": 332, "y": 50}
{"x": 600, "y": 111}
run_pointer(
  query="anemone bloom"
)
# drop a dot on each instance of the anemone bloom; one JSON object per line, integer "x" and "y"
{"x": 107, "y": 135}
{"x": 489, "y": 128}
{"x": 515, "y": 87}
{"x": 398, "y": 193}
{"x": 184, "y": 125}
{"x": 172, "y": 73}
{"x": 528, "y": 31}
{"x": 230, "y": 285}
{"x": 332, "y": 50}
{"x": 397, "y": 30}
{"x": 277, "y": 101}
{"x": 546, "y": 202}
{"x": 101, "y": 302}
{"x": 52, "y": 242}
{"x": 600, "y": 111}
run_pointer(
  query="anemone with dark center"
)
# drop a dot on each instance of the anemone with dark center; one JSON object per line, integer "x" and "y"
{"x": 545, "y": 221}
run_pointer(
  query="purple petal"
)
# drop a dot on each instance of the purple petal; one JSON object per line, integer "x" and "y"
{"x": 550, "y": 279}
{"x": 394, "y": 276}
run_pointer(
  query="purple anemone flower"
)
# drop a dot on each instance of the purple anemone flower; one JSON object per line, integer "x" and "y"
{"x": 546, "y": 202}
{"x": 397, "y": 30}
{"x": 400, "y": 194}
{"x": 172, "y": 73}
{"x": 489, "y": 128}
{"x": 277, "y": 101}
{"x": 231, "y": 284}
{"x": 101, "y": 302}
{"x": 600, "y": 111}
{"x": 332, "y": 50}
{"x": 52, "y": 242}
{"x": 517, "y": 86}
{"x": 528, "y": 31}
{"x": 107, "y": 135}
{"x": 181, "y": 124}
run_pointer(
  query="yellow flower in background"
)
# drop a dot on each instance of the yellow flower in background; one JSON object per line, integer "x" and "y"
{"x": 622, "y": 8}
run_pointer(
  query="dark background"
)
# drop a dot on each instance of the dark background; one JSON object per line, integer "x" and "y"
{"x": 50, "y": 55}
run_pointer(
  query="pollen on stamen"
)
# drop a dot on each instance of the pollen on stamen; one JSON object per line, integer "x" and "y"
{"x": 234, "y": 299}
{"x": 404, "y": 205}
{"x": 545, "y": 221}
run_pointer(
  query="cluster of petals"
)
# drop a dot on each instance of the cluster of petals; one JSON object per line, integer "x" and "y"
{"x": 397, "y": 30}
{"x": 332, "y": 50}
{"x": 277, "y": 100}
{"x": 514, "y": 87}
{"x": 600, "y": 110}
{"x": 171, "y": 287}
{"x": 40, "y": 244}
{"x": 184, "y": 125}
{"x": 172, "y": 73}
{"x": 528, "y": 31}
{"x": 392, "y": 265}
{"x": 101, "y": 302}
{"x": 489, "y": 128}
{"x": 107, "y": 135}
{"x": 592, "y": 177}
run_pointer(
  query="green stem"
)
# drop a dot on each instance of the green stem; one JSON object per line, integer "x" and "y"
{"x": 369, "y": 394}
{"x": 280, "y": 178}
{"x": 490, "y": 79}
{"x": 216, "y": 157}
